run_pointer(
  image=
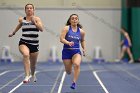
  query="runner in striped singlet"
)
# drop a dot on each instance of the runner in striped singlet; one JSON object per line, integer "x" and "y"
{"x": 29, "y": 42}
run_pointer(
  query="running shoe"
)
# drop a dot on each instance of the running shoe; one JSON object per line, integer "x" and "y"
{"x": 73, "y": 85}
{"x": 26, "y": 79}
{"x": 131, "y": 61}
{"x": 34, "y": 79}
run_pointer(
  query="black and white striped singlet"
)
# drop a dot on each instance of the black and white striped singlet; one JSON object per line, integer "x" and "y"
{"x": 29, "y": 33}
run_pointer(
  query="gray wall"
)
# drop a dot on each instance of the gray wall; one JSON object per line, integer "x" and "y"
{"x": 99, "y": 24}
{"x": 63, "y": 3}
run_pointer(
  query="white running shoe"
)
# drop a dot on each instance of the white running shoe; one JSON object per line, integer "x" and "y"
{"x": 33, "y": 78}
{"x": 131, "y": 61}
{"x": 26, "y": 79}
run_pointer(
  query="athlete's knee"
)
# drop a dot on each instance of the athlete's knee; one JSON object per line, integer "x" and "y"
{"x": 77, "y": 65}
{"x": 33, "y": 66}
{"x": 26, "y": 55}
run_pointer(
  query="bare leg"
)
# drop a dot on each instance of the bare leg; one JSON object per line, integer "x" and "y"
{"x": 130, "y": 55}
{"x": 68, "y": 65}
{"x": 26, "y": 61}
{"x": 33, "y": 59}
{"x": 122, "y": 52}
{"x": 76, "y": 61}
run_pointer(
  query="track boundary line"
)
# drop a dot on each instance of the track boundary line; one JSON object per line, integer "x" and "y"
{"x": 100, "y": 82}
{"x": 61, "y": 83}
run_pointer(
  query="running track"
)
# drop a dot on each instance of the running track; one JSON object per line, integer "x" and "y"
{"x": 94, "y": 78}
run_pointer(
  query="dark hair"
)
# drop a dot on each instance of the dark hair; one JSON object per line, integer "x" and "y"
{"x": 124, "y": 28}
{"x": 68, "y": 21}
{"x": 29, "y": 4}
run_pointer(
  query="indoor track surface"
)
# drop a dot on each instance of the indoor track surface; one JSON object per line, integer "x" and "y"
{"x": 51, "y": 78}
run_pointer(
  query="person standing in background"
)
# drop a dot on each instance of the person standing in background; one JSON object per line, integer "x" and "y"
{"x": 29, "y": 42}
{"x": 72, "y": 36}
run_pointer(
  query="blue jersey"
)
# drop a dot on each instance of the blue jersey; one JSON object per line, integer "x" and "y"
{"x": 74, "y": 37}
{"x": 126, "y": 43}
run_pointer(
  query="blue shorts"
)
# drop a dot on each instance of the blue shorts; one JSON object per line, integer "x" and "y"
{"x": 68, "y": 53}
{"x": 127, "y": 46}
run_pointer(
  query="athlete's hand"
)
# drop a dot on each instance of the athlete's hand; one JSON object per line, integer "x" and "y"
{"x": 84, "y": 54}
{"x": 71, "y": 43}
{"x": 33, "y": 19}
{"x": 11, "y": 34}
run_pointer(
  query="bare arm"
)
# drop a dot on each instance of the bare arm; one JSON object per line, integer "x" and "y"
{"x": 83, "y": 41}
{"x": 38, "y": 23}
{"x": 17, "y": 27}
{"x": 62, "y": 37}
{"x": 126, "y": 36}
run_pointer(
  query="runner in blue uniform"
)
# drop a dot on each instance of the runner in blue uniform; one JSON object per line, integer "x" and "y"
{"x": 72, "y": 36}
{"x": 29, "y": 42}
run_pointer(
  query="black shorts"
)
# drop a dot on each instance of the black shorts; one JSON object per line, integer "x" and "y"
{"x": 32, "y": 48}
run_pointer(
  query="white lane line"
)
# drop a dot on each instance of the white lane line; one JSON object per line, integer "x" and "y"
{"x": 56, "y": 80}
{"x": 100, "y": 82}
{"x": 19, "y": 85}
{"x": 98, "y": 79}
{"x": 129, "y": 73}
{"x": 16, "y": 87}
{"x": 11, "y": 81}
{"x": 3, "y": 73}
{"x": 61, "y": 83}
{"x": 9, "y": 71}
{"x": 52, "y": 85}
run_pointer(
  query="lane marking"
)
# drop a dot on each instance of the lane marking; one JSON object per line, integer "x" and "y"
{"x": 61, "y": 83}
{"x": 56, "y": 80}
{"x": 11, "y": 91}
{"x": 4, "y": 72}
{"x": 9, "y": 71}
{"x": 129, "y": 73}
{"x": 97, "y": 77}
{"x": 16, "y": 87}
{"x": 100, "y": 82}
{"x": 11, "y": 81}
{"x": 41, "y": 85}
{"x": 3, "y": 86}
